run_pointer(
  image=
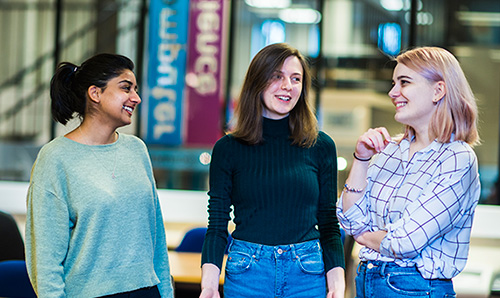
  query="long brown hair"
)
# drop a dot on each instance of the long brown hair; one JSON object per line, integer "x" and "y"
{"x": 303, "y": 122}
{"x": 456, "y": 112}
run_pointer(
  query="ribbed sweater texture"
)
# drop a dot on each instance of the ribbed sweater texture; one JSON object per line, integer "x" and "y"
{"x": 281, "y": 193}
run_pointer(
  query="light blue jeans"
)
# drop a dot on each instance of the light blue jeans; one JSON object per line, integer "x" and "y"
{"x": 292, "y": 271}
{"x": 388, "y": 280}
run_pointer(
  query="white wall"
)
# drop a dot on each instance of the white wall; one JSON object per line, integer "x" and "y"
{"x": 178, "y": 206}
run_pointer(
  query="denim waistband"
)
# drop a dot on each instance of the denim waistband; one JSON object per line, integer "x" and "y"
{"x": 383, "y": 267}
{"x": 279, "y": 251}
{"x": 386, "y": 267}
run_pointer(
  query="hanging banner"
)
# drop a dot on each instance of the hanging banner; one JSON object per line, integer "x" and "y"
{"x": 163, "y": 104}
{"x": 205, "y": 86}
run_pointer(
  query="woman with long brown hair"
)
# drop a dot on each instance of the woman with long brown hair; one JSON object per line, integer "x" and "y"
{"x": 279, "y": 173}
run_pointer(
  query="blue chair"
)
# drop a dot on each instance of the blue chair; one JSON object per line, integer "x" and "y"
{"x": 193, "y": 240}
{"x": 14, "y": 280}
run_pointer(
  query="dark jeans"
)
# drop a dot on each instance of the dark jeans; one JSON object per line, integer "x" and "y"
{"x": 151, "y": 292}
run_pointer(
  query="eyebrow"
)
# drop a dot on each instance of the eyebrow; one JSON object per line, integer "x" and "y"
{"x": 404, "y": 77}
{"x": 293, "y": 74}
{"x": 126, "y": 81}
{"x": 129, "y": 82}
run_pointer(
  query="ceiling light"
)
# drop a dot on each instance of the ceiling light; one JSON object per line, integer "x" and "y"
{"x": 300, "y": 15}
{"x": 392, "y": 5}
{"x": 269, "y": 3}
{"x": 477, "y": 18}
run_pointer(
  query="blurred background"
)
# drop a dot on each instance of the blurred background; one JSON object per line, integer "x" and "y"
{"x": 191, "y": 58}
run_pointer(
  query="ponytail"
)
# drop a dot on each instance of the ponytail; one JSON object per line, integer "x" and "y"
{"x": 65, "y": 103}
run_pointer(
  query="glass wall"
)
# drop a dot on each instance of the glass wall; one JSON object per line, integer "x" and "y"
{"x": 351, "y": 47}
{"x": 350, "y": 44}
{"x": 474, "y": 37}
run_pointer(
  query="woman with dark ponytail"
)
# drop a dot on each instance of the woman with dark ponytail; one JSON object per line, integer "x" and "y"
{"x": 94, "y": 225}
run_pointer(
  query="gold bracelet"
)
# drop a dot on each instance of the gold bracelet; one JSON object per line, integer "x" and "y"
{"x": 347, "y": 188}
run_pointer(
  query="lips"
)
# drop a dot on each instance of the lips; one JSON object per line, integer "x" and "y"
{"x": 128, "y": 109}
{"x": 284, "y": 97}
{"x": 400, "y": 104}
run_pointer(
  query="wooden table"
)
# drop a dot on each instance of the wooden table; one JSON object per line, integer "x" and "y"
{"x": 185, "y": 267}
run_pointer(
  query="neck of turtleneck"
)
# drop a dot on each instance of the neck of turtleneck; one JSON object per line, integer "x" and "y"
{"x": 272, "y": 127}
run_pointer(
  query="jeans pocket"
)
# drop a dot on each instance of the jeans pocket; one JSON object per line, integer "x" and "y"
{"x": 408, "y": 283}
{"x": 238, "y": 262}
{"x": 311, "y": 263}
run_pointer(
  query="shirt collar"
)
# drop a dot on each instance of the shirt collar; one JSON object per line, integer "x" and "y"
{"x": 434, "y": 146}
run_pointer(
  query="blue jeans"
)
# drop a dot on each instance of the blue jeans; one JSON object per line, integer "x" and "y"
{"x": 388, "y": 280}
{"x": 292, "y": 271}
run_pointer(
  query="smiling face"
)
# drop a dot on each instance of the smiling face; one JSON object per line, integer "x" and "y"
{"x": 414, "y": 97}
{"x": 284, "y": 89}
{"x": 119, "y": 99}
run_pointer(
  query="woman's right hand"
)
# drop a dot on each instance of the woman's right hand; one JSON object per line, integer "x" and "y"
{"x": 210, "y": 281}
{"x": 372, "y": 142}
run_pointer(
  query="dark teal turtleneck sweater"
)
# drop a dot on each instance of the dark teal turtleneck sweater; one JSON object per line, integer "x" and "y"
{"x": 281, "y": 193}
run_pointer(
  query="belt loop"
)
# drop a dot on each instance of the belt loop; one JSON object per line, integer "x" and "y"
{"x": 258, "y": 251}
{"x": 382, "y": 268}
{"x": 293, "y": 251}
{"x": 358, "y": 269}
{"x": 230, "y": 245}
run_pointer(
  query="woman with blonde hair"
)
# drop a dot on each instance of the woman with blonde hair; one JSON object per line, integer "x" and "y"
{"x": 410, "y": 200}
{"x": 279, "y": 173}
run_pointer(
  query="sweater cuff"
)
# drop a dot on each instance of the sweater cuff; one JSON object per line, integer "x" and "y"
{"x": 334, "y": 257}
{"x": 213, "y": 256}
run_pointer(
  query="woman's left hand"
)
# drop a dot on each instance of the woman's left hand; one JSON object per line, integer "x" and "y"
{"x": 336, "y": 283}
{"x": 335, "y": 294}
{"x": 371, "y": 239}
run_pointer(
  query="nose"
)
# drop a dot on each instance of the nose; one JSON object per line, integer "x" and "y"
{"x": 135, "y": 97}
{"x": 394, "y": 92}
{"x": 286, "y": 84}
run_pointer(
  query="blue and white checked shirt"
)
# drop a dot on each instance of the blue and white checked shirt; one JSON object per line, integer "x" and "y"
{"x": 425, "y": 204}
